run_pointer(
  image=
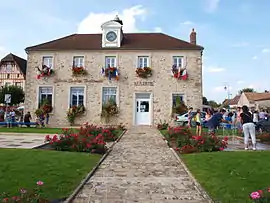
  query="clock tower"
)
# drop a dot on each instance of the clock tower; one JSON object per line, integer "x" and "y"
{"x": 112, "y": 33}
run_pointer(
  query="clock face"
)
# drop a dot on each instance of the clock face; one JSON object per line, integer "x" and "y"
{"x": 111, "y": 36}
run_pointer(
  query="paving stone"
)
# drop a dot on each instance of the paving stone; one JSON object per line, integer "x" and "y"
{"x": 140, "y": 168}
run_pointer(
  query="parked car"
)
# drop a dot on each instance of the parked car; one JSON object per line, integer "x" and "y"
{"x": 263, "y": 125}
{"x": 183, "y": 119}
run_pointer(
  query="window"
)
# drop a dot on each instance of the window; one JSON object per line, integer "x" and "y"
{"x": 110, "y": 61}
{"x": 18, "y": 75}
{"x": 45, "y": 93}
{"x": 8, "y": 76}
{"x": 18, "y": 84}
{"x": 178, "y": 61}
{"x": 7, "y": 83}
{"x": 47, "y": 61}
{"x": 108, "y": 93}
{"x": 175, "y": 97}
{"x": 9, "y": 68}
{"x": 78, "y": 61}
{"x": 76, "y": 96}
{"x": 143, "y": 61}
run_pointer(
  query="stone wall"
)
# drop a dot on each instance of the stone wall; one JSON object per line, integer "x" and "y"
{"x": 164, "y": 83}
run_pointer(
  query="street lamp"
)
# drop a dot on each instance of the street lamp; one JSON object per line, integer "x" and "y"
{"x": 227, "y": 88}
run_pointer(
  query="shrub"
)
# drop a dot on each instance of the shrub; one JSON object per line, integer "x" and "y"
{"x": 74, "y": 112}
{"x": 109, "y": 109}
{"x": 183, "y": 141}
{"x": 162, "y": 125}
{"x": 90, "y": 138}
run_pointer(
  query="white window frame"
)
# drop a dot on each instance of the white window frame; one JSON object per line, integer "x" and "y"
{"x": 77, "y": 94}
{"x": 78, "y": 61}
{"x": 110, "y": 60}
{"x": 143, "y": 61}
{"x": 9, "y": 67}
{"x": 175, "y": 94}
{"x": 178, "y": 61}
{"x": 48, "y": 61}
{"x": 109, "y": 94}
{"x": 39, "y": 93}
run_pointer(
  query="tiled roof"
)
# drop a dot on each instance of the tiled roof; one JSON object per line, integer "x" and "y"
{"x": 131, "y": 41}
{"x": 254, "y": 96}
{"x": 22, "y": 63}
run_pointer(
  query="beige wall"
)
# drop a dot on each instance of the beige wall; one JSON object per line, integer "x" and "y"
{"x": 164, "y": 83}
{"x": 263, "y": 104}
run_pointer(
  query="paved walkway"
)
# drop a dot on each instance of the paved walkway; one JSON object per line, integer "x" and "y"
{"x": 140, "y": 168}
{"x": 25, "y": 140}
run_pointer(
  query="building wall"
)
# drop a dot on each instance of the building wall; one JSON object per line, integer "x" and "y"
{"x": 11, "y": 77}
{"x": 264, "y": 104}
{"x": 164, "y": 83}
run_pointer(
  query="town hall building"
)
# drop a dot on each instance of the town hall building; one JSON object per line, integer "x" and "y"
{"x": 143, "y": 73}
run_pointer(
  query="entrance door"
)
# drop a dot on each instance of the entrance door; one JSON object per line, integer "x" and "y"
{"x": 143, "y": 112}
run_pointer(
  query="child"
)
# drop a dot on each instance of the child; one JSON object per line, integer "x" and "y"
{"x": 198, "y": 120}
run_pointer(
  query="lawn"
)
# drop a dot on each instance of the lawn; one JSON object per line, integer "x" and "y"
{"x": 230, "y": 176}
{"x": 61, "y": 172}
{"x": 31, "y": 130}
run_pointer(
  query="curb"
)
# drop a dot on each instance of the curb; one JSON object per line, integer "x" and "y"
{"x": 197, "y": 185}
{"x": 92, "y": 172}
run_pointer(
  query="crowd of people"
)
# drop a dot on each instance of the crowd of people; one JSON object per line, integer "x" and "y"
{"x": 243, "y": 119}
{"x": 12, "y": 116}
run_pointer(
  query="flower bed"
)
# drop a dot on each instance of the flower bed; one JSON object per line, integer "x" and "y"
{"x": 261, "y": 196}
{"x": 181, "y": 139}
{"x": 24, "y": 195}
{"x": 76, "y": 71}
{"x": 144, "y": 72}
{"x": 89, "y": 138}
{"x": 264, "y": 137}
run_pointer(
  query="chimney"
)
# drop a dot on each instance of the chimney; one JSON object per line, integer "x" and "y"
{"x": 193, "y": 37}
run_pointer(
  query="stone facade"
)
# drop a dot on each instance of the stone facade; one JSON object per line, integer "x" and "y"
{"x": 164, "y": 85}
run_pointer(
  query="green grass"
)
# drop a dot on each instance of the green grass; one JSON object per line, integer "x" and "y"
{"x": 31, "y": 130}
{"x": 61, "y": 172}
{"x": 230, "y": 177}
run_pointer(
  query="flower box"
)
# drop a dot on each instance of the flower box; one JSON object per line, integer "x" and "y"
{"x": 45, "y": 71}
{"x": 144, "y": 72}
{"x": 74, "y": 112}
{"x": 76, "y": 71}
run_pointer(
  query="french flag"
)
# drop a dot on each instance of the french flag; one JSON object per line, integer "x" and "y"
{"x": 179, "y": 73}
{"x": 116, "y": 74}
{"x": 184, "y": 75}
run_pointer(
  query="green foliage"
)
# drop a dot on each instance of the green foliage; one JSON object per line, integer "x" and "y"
{"x": 247, "y": 90}
{"x": 109, "y": 109}
{"x": 179, "y": 107}
{"x": 17, "y": 94}
{"x": 205, "y": 101}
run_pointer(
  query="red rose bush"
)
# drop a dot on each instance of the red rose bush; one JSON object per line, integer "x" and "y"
{"x": 89, "y": 138}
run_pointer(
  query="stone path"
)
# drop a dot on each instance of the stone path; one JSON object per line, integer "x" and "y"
{"x": 26, "y": 141}
{"x": 140, "y": 168}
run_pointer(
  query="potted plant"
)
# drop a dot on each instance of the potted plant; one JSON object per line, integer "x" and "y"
{"x": 179, "y": 107}
{"x": 144, "y": 72}
{"x": 76, "y": 71}
{"x": 74, "y": 112}
{"x": 109, "y": 109}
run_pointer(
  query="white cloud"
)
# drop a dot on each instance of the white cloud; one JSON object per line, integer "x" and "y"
{"x": 213, "y": 69}
{"x": 187, "y": 23}
{"x": 211, "y": 5}
{"x": 129, "y": 16}
{"x": 241, "y": 44}
{"x": 254, "y": 57}
{"x": 264, "y": 51}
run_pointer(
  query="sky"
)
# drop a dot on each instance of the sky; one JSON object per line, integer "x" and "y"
{"x": 233, "y": 33}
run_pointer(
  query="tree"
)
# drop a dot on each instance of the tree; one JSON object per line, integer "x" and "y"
{"x": 205, "y": 101}
{"x": 246, "y": 90}
{"x": 17, "y": 94}
{"x": 213, "y": 104}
